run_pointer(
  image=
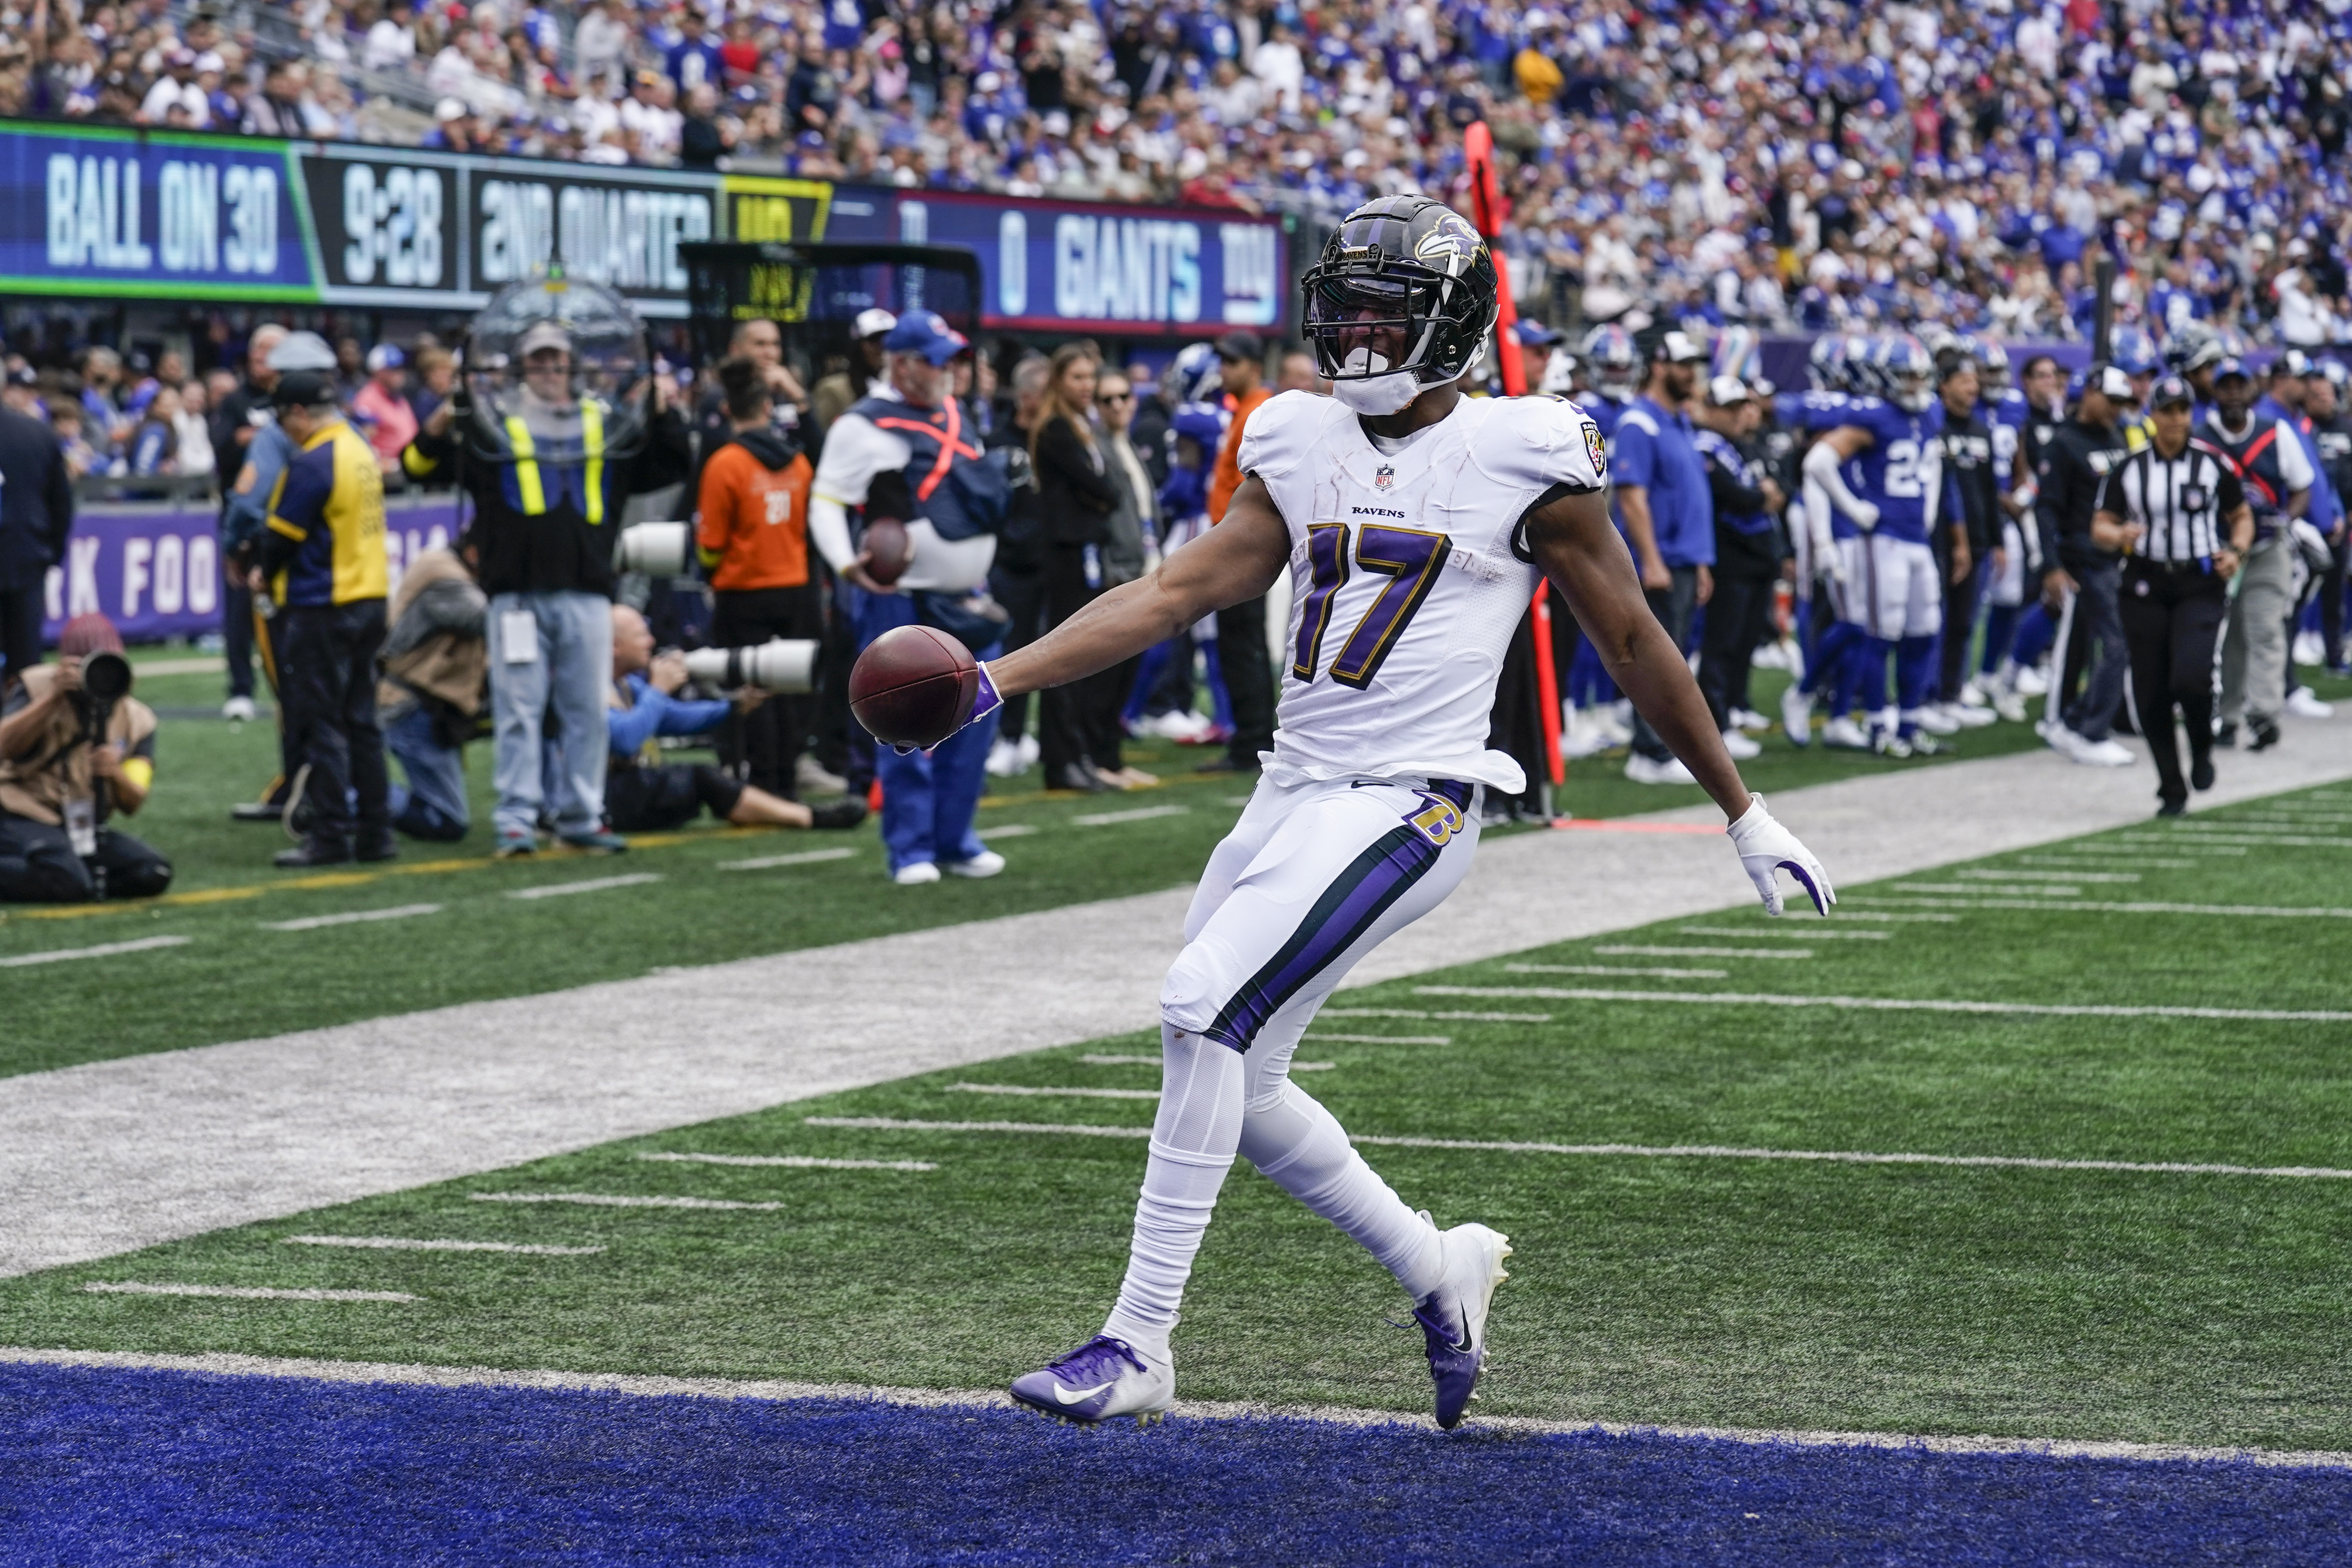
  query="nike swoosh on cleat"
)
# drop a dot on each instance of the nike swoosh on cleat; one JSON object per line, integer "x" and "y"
{"x": 1073, "y": 1396}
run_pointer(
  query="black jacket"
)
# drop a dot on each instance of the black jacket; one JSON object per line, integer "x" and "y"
{"x": 1075, "y": 497}
{"x": 2069, "y": 468}
{"x": 1967, "y": 458}
{"x": 36, "y": 500}
{"x": 556, "y": 550}
{"x": 1021, "y": 543}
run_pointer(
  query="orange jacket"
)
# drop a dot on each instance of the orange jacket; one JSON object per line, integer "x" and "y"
{"x": 1228, "y": 475}
{"x": 754, "y": 527}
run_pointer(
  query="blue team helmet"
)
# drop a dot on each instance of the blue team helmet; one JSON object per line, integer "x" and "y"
{"x": 1861, "y": 377}
{"x": 1825, "y": 365}
{"x": 1197, "y": 375}
{"x": 1993, "y": 362}
{"x": 1610, "y": 354}
{"x": 2135, "y": 352}
{"x": 1906, "y": 371}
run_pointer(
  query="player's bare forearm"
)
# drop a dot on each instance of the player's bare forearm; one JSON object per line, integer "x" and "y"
{"x": 1578, "y": 549}
{"x": 1237, "y": 559}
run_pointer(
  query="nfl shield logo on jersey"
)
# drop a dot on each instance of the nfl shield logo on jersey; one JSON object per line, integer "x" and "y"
{"x": 1383, "y": 477}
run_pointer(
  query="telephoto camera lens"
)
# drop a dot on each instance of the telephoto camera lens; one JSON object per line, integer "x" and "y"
{"x": 788, "y": 664}
{"x": 657, "y": 550}
{"x": 106, "y": 676}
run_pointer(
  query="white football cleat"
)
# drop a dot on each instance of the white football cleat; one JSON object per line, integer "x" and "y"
{"x": 1842, "y": 734}
{"x": 2030, "y": 681}
{"x": 2100, "y": 753}
{"x": 2305, "y": 702}
{"x": 2009, "y": 705}
{"x": 239, "y": 709}
{"x": 1452, "y": 1317}
{"x": 1741, "y": 747}
{"x": 1003, "y": 758}
{"x": 1748, "y": 719}
{"x": 1641, "y": 769}
{"x": 1933, "y": 719}
{"x": 1797, "y": 714}
{"x": 1102, "y": 1380}
{"x": 1969, "y": 715}
{"x": 916, "y": 873}
{"x": 988, "y": 863}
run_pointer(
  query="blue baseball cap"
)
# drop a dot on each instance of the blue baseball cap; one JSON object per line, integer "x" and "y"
{"x": 1535, "y": 334}
{"x": 2231, "y": 366}
{"x": 924, "y": 332}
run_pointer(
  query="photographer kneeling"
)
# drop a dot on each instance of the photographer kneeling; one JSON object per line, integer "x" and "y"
{"x": 644, "y": 794}
{"x": 75, "y": 747}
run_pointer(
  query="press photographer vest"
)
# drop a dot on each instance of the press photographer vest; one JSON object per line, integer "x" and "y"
{"x": 957, "y": 489}
{"x": 2256, "y": 456}
{"x": 530, "y": 485}
{"x": 39, "y": 782}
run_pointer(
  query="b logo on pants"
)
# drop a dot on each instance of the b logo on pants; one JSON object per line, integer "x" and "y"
{"x": 1438, "y": 821}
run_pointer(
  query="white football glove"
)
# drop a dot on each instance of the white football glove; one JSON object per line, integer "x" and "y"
{"x": 1766, "y": 849}
{"x": 1862, "y": 514}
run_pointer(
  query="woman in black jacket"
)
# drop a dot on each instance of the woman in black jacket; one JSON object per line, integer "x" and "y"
{"x": 1074, "y": 500}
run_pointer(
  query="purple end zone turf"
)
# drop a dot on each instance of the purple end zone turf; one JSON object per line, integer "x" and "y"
{"x": 108, "y": 1466}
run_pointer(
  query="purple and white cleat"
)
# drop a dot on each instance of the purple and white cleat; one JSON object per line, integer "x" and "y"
{"x": 1102, "y": 1380}
{"x": 1452, "y": 1317}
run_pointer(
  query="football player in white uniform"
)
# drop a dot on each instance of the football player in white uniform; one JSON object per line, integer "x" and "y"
{"x": 1415, "y": 523}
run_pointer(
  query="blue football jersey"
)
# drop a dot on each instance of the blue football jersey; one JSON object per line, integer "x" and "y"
{"x": 1888, "y": 472}
{"x": 1811, "y": 410}
{"x": 1603, "y": 411}
{"x": 2006, "y": 414}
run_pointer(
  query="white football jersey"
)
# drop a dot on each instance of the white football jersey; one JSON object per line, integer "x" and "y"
{"x": 1406, "y": 589}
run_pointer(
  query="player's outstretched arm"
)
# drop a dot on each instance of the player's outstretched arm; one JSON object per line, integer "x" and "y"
{"x": 1237, "y": 559}
{"x": 1575, "y": 547}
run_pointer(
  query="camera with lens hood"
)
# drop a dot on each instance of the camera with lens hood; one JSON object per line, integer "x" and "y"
{"x": 787, "y": 664}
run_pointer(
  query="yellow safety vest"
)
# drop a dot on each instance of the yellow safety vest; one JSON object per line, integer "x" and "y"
{"x": 526, "y": 463}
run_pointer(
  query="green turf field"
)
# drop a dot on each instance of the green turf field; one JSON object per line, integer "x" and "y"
{"x": 238, "y": 978}
{"x": 2154, "y": 1306}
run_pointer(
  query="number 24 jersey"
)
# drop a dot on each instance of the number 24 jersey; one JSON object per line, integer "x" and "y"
{"x": 1405, "y": 585}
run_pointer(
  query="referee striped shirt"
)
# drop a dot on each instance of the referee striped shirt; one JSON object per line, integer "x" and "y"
{"x": 2184, "y": 502}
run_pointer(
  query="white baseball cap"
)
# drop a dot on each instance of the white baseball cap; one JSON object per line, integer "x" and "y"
{"x": 301, "y": 351}
{"x": 874, "y": 322}
{"x": 1723, "y": 392}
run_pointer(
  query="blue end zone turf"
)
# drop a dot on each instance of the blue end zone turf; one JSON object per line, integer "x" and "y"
{"x": 106, "y": 1467}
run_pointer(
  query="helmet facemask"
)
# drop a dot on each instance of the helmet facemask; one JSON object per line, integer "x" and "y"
{"x": 1385, "y": 326}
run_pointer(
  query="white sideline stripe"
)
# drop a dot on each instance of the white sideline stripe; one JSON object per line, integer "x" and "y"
{"x": 593, "y": 884}
{"x": 2049, "y": 875}
{"x": 243, "y": 1292}
{"x": 1014, "y": 831}
{"x": 103, "y": 950}
{"x": 1617, "y": 949}
{"x": 801, "y": 857}
{"x": 1423, "y": 1013}
{"x": 1618, "y": 969}
{"x": 1383, "y": 1039}
{"x": 2011, "y": 889}
{"x": 1056, "y": 1093}
{"x": 796, "y": 1161}
{"x": 352, "y": 917}
{"x": 1793, "y": 933}
{"x": 1098, "y": 1059}
{"x": 656, "y": 1387}
{"x": 1661, "y": 1151}
{"x": 614, "y": 1200}
{"x": 1890, "y": 1004}
{"x": 1138, "y": 814}
{"x": 2112, "y": 906}
{"x": 407, "y": 1244}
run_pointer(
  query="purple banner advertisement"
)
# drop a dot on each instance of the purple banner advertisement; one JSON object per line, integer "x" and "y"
{"x": 154, "y": 570}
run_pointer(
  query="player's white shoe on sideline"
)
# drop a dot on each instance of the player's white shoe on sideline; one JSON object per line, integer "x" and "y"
{"x": 1933, "y": 719}
{"x": 1969, "y": 715}
{"x": 1741, "y": 747}
{"x": 2305, "y": 702}
{"x": 1797, "y": 714}
{"x": 1842, "y": 734}
{"x": 2030, "y": 681}
{"x": 916, "y": 873}
{"x": 1102, "y": 1380}
{"x": 1642, "y": 769}
{"x": 1452, "y": 1317}
{"x": 988, "y": 863}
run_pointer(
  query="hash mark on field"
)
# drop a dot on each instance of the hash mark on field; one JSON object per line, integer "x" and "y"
{"x": 2104, "y": 859}
{"x": 1892, "y": 1004}
{"x": 406, "y": 1244}
{"x": 1648, "y": 1151}
{"x": 1419, "y": 1013}
{"x": 1014, "y": 831}
{"x": 1846, "y": 913}
{"x": 1138, "y": 814}
{"x": 1805, "y": 933}
{"x": 796, "y": 1162}
{"x": 352, "y": 917}
{"x": 2012, "y": 889}
{"x": 2283, "y": 840}
{"x": 1097, "y": 1059}
{"x": 1382, "y": 1039}
{"x": 2177, "y": 846}
{"x": 615, "y": 1200}
{"x": 593, "y": 884}
{"x": 1644, "y": 950}
{"x": 801, "y": 857}
{"x": 1619, "y": 970}
{"x": 2005, "y": 874}
{"x": 243, "y": 1292}
{"x": 103, "y": 950}
{"x": 1034, "y": 1090}
{"x": 2117, "y": 906}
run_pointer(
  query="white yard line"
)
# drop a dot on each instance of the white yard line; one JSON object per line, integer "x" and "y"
{"x": 1072, "y": 1092}
{"x": 1136, "y": 814}
{"x": 1096, "y": 1060}
{"x": 103, "y": 950}
{"x": 2115, "y": 906}
{"x": 793, "y": 1161}
{"x": 800, "y": 857}
{"x": 1013, "y": 831}
{"x": 2075, "y": 876}
{"x": 1892, "y": 1004}
{"x": 898, "y": 1125}
{"x": 654, "y": 1387}
{"x": 242, "y": 1293}
{"x": 1811, "y": 931}
{"x": 1846, "y": 913}
{"x": 1382, "y": 1039}
{"x": 1992, "y": 889}
{"x": 615, "y": 1200}
{"x": 1423, "y": 1013}
{"x": 2095, "y": 860}
{"x": 410, "y": 1244}
{"x": 592, "y": 884}
{"x": 2283, "y": 840}
{"x": 119, "y": 1155}
{"x": 1652, "y": 950}
{"x": 1619, "y": 971}
{"x": 352, "y": 917}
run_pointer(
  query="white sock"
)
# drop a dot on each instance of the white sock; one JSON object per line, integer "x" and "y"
{"x": 1192, "y": 1142}
{"x": 1300, "y": 1147}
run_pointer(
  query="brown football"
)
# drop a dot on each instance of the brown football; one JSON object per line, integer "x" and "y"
{"x": 913, "y": 685}
{"x": 887, "y": 550}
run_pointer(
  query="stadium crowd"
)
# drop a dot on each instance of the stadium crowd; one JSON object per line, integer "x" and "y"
{"x": 1778, "y": 163}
